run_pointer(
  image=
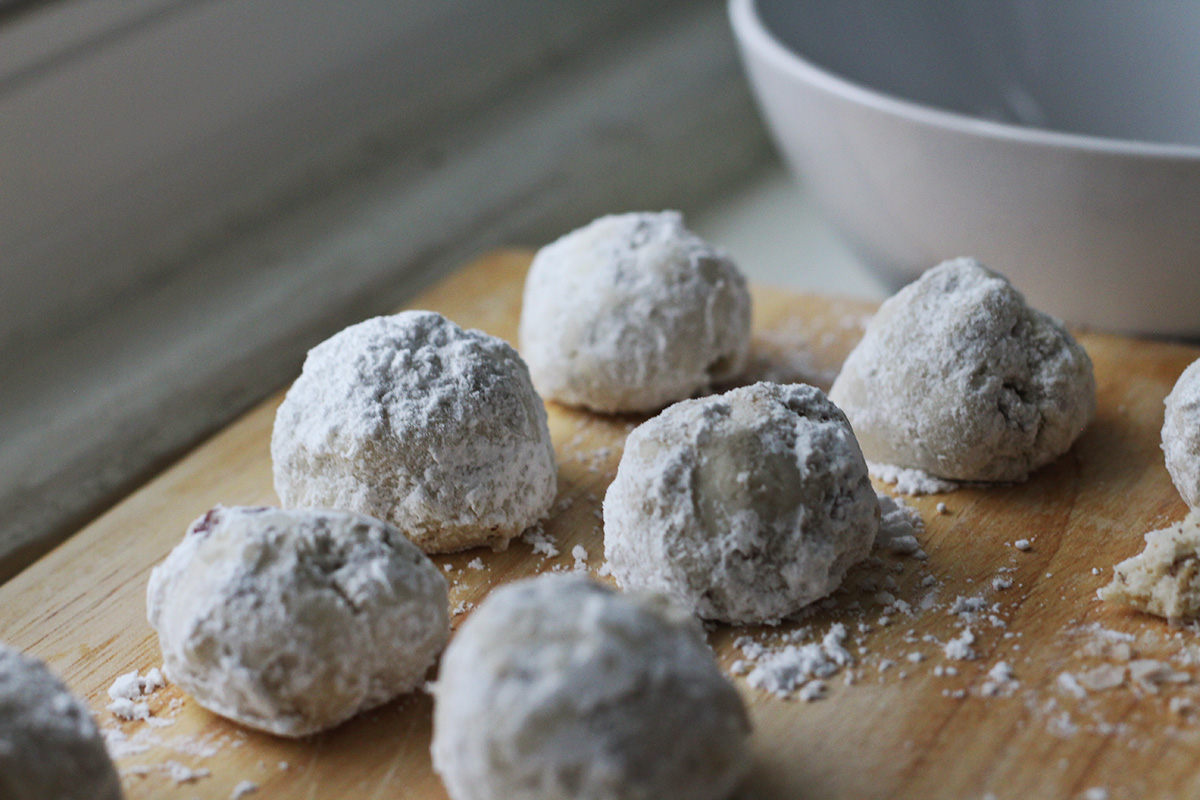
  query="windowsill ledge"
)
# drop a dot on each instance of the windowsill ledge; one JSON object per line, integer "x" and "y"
{"x": 661, "y": 118}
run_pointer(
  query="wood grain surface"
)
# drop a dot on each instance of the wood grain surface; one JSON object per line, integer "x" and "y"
{"x": 904, "y": 727}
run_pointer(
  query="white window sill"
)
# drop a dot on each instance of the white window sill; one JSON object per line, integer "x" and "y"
{"x": 194, "y": 325}
{"x": 771, "y": 226}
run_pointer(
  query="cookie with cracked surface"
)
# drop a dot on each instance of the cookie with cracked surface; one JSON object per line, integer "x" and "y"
{"x": 558, "y": 688}
{"x": 420, "y": 423}
{"x": 632, "y": 312}
{"x": 294, "y": 621}
{"x": 744, "y": 507}
{"x": 957, "y": 376}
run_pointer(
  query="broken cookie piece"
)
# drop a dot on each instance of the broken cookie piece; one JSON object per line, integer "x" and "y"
{"x": 1164, "y": 579}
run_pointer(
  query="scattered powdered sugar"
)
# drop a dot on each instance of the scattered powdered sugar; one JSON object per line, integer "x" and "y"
{"x": 133, "y": 695}
{"x": 899, "y": 525}
{"x": 152, "y": 681}
{"x": 541, "y": 542}
{"x": 181, "y": 773}
{"x": 1098, "y": 634}
{"x": 967, "y": 605}
{"x": 910, "y": 480}
{"x": 242, "y": 789}
{"x": 126, "y": 709}
{"x": 1068, "y": 683}
{"x": 1001, "y": 681}
{"x": 959, "y": 648}
{"x": 580, "y": 554}
{"x": 1150, "y": 674}
{"x": 813, "y": 690}
{"x": 126, "y": 687}
{"x": 127, "y": 690}
{"x": 1102, "y": 677}
{"x": 475, "y": 563}
{"x": 1074, "y": 707}
{"x": 981, "y": 658}
{"x": 1181, "y": 705}
{"x": 122, "y": 745}
{"x": 797, "y": 667}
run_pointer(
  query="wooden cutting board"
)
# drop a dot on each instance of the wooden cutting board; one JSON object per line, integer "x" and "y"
{"x": 904, "y": 728}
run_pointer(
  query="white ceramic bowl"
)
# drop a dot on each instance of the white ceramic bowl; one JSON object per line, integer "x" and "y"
{"x": 1058, "y": 142}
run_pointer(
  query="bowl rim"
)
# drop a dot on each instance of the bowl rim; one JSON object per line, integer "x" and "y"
{"x": 755, "y": 36}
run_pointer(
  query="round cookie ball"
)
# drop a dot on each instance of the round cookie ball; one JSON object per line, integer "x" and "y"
{"x": 294, "y": 621}
{"x": 557, "y": 688}
{"x": 49, "y": 745}
{"x": 1181, "y": 435}
{"x": 957, "y": 376}
{"x": 744, "y": 507}
{"x": 415, "y": 421}
{"x": 633, "y": 312}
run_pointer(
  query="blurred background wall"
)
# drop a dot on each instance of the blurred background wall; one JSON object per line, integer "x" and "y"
{"x": 194, "y": 192}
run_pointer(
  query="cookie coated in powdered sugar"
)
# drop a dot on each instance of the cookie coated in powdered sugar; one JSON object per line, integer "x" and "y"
{"x": 49, "y": 745}
{"x": 632, "y": 312}
{"x": 744, "y": 507}
{"x": 558, "y": 688}
{"x": 957, "y": 376}
{"x": 1181, "y": 435}
{"x": 418, "y": 422}
{"x": 294, "y": 621}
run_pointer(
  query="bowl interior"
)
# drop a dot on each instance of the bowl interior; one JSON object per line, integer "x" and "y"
{"x": 1126, "y": 69}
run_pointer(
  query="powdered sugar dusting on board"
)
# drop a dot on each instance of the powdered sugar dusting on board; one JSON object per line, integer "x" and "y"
{"x": 899, "y": 525}
{"x": 908, "y": 480}
{"x": 128, "y": 738}
{"x": 879, "y": 628}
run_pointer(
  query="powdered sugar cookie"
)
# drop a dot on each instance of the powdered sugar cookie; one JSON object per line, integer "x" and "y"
{"x": 415, "y": 421}
{"x": 557, "y": 688}
{"x": 745, "y": 507}
{"x": 633, "y": 312}
{"x": 957, "y": 376}
{"x": 294, "y": 621}
{"x": 49, "y": 746}
{"x": 1181, "y": 435}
